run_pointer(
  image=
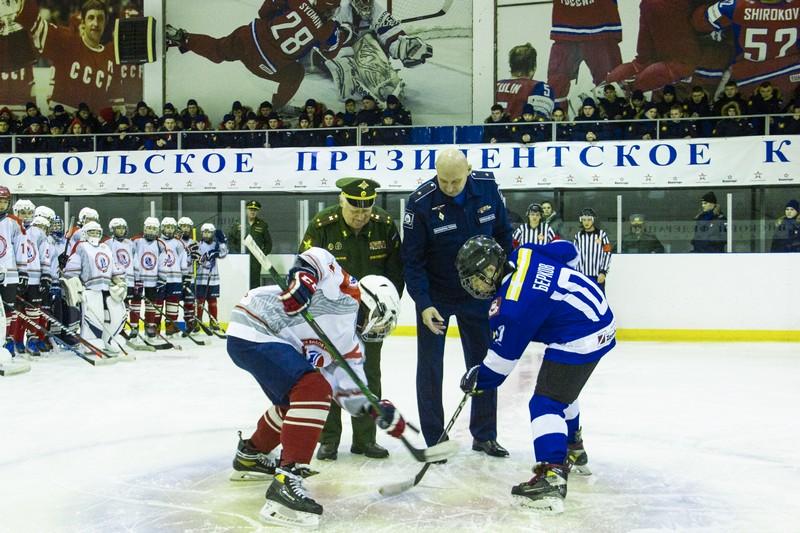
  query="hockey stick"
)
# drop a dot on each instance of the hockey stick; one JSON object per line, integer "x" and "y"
{"x": 207, "y": 330}
{"x": 161, "y": 315}
{"x": 186, "y": 333}
{"x": 58, "y": 341}
{"x": 443, "y": 11}
{"x": 394, "y": 489}
{"x": 425, "y": 455}
{"x": 101, "y": 355}
{"x": 211, "y": 319}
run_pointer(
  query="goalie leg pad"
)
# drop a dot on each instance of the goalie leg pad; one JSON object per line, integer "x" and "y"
{"x": 342, "y": 71}
{"x": 92, "y": 316}
{"x": 374, "y": 72}
{"x": 116, "y": 318}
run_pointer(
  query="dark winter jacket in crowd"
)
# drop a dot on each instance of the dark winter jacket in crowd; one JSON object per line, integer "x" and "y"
{"x": 710, "y": 233}
{"x": 787, "y": 236}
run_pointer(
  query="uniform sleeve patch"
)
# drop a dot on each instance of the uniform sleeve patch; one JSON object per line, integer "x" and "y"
{"x": 408, "y": 220}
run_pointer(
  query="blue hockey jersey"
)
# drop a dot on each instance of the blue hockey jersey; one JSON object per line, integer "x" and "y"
{"x": 546, "y": 300}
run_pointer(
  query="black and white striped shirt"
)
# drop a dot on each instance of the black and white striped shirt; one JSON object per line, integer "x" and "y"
{"x": 525, "y": 234}
{"x": 594, "y": 249}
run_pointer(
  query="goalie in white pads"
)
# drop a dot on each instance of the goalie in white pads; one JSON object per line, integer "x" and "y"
{"x": 97, "y": 282}
{"x": 365, "y": 67}
{"x": 213, "y": 246}
{"x": 269, "y": 338}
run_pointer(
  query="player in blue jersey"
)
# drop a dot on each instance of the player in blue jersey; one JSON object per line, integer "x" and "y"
{"x": 539, "y": 296}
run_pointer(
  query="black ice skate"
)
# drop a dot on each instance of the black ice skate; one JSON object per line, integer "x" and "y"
{"x": 546, "y": 490}
{"x": 251, "y": 464}
{"x": 577, "y": 459}
{"x": 175, "y": 37}
{"x": 288, "y": 503}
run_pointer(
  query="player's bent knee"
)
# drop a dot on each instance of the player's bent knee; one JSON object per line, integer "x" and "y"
{"x": 312, "y": 386}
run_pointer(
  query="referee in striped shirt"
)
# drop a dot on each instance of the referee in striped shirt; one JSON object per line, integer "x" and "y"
{"x": 535, "y": 230}
{"x": 594, "y": 249}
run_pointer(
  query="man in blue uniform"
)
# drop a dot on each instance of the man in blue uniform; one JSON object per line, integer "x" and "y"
{"x": 440, "y": 216}
{"x": 539, "y": 296}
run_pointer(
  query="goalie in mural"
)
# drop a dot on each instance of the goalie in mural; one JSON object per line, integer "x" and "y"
{"x": 272, "y": 45}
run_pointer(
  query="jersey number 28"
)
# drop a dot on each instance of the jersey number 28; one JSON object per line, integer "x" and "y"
{"x": 299, "y": 38}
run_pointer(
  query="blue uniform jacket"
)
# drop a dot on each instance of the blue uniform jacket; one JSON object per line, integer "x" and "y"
{"x": 435, "y": 228}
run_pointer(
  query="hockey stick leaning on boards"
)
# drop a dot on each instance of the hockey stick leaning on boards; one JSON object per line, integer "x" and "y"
{"x": 424, "y": 455}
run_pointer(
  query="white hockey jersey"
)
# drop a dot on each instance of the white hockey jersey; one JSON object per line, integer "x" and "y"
{"x": 94, "y": 265}
{"x": 172, "y": 263}
{"x": 11, "y": 257}
{"x": 207, "y": 269}
{"x": 123, "y": 255}
{"x": 58, "y": 248}
{"x": 259, "y": 317}
{"x": 146, "y": 260}
{"x": 28, "y": 247}
{"x": 41, "y": 243}
{"x": 188, "y": 244}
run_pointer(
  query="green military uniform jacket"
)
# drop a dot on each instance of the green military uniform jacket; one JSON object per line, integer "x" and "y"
{"x": 259, "y": 230}
{"x": 374, "y": 250}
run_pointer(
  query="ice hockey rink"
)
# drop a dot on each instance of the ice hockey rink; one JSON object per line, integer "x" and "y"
{"x": 681, "y": 437}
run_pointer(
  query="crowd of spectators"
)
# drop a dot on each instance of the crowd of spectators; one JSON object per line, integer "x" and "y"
{"x": 665, "y": 117}
{"x": 241, "y": 127}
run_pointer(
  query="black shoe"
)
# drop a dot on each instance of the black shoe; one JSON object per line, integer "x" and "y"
{"x": 373, "y": 451}
{"x": 546, "y": 490}
{"x": 489, "y": 447}
{"x": 328, "y": 452}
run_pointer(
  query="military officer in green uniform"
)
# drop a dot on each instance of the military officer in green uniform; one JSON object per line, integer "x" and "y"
{"x": 364, "y": 240}
{"x": 258, "y": 228}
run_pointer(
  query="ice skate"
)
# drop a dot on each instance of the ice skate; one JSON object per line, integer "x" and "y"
{"x": 546, "y": 490}
{"x": 32, "y": 347}
{"x": 135, "y": 341}
{"x": 577, "y": 459}
{"x": 288, "y": 503}
{"x": 252, "y": 465}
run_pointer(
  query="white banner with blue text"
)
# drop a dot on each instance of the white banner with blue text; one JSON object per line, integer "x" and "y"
{"x": 741, "y": 161}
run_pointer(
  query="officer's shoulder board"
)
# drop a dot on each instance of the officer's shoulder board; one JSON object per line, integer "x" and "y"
{"x": 325, "y": 219}
{"x": 423, "y": 190}
{"x": 381, "y": 216}
{"x": 482, "y": 175}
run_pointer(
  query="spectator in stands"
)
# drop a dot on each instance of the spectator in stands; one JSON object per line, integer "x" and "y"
{"x": 276, "y": 138}
{"x": 228, "y": 137}
{"x": 331, "y": 135}
{"x": 264, "y": 111}
{"x": 647, "y": 127}
{"x": 552, "y": 218}
{"x": 313, "y": 110}
{"x": 611, "y": 106}
{"x": 528, "y": 127}
{"x": 169, "y": 111}
{"x": 635, "y": 110}
{"x": 123, "y": 140}
{"x": 639, "y": 241}
{"x": 497, "y": 127}
{"x": 168, "y": 138}
{"x": 791, "y": 125}
{"x": 5, "y": 136}
{"x": 34, "y": 138}
{"x": 668, "y": 100}
{"x": 729, "y": 94}
{"x": 710, "y": 229}
{"x": 106, "y": 121}
{"x": 588, "y": 126}
{"x": 32, "y": 114}
{"x": 199, "y": 138}
{"x": 698, "y": 106}
{"x": 304, "y": 135}
{"x": 8, "y": 116}
{"x": 370, "y": 114}
{"x": 733, "y": 125}
{"x": 142, "y": 116}
{"x": 388, "y": 135}
{"x": 61, "y": 117}
{"x": 147, "y": 140}
{"x": 765, "y": 101}
{"x": 55, "y": 141}
{"x": 238, "y": 113}
{"x": 190, "y": 113}
{"x": 402, "y": 115}
{"x": 563, "y": 128}
{"x": 350, "y": 114}
{"x": 77, "y": 140}
{"x": 787, "y": 230}
{"x": 675, "y": 128}
{"x": 251, "y": 136}
{"x": 89, "y": 122}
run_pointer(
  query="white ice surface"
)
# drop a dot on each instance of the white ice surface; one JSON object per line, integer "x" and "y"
{"x": 681, "y": 437}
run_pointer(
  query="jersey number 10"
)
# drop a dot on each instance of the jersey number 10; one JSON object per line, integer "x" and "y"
{"x": 580, "y": 293}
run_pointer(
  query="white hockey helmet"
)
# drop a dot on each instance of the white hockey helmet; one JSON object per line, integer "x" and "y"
{"x": 379, "y": 309}
{"x": 92, "y": 232}
{"x": 151, "y": 228}
{"x": 41, "y": 222}
{"x": 185, "y": 221}
{"x": 24, "y": 209}
{"x": 168, "y": 227}
{"x": 115, "y": 223}
{"x": 87, "y": 214}
{"x": 207, "y": 232}
{"x": 43, "y": 210}
{"x": 208, "y": 226}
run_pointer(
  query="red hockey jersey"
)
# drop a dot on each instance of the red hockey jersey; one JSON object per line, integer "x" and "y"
{"x": 585, "y": 20}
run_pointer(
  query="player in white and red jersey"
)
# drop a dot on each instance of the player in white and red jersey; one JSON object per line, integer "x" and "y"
{"x": 268, "y": 338}
{"x": 146, "y": 251}
{"x": 122, "y": 248}
{"x": 95, "y": 280}
{"x": 271, "y": 45}
{"x": 74, "y": 236}
{"x": 44, "y": 218}
{"x": 587, "y": 32}
{"x": 521, "y": 88}
{"x": 185, "y": 229}
{"x": 27, "y": 247}
{"x": 84, "y": 67}
{"x": 13, "y": 263}
{"x": 766, "y": 35}
{"x": 173, "y": 270}
{"x": 39, "y": 258}
{"x": 213, "y": 246}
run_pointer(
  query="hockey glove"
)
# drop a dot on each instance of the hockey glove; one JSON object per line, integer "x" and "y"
{"x": 62, "y": 260}
{"x": 302, "y": 286}
{"x": 138, "y": 290}
{"x": 220, "y": 237}
{"x": 210, "y": 256}
{"x": 389, "y": 418}
{"x": 413, "y": 51}
{"x": 194, "y": 251}
{"x": 23, "y": 282}
{"x": 44, "y": 287}
{"x": 469, "y": 383}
